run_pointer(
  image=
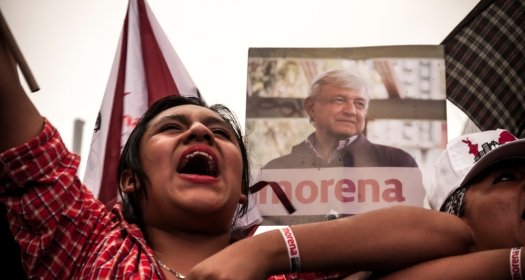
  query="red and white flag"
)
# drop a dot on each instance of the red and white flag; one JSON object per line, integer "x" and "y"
{"x": 146, "y": 68}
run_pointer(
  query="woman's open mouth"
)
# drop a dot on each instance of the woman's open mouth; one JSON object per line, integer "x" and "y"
{"x": 198, "y": 160}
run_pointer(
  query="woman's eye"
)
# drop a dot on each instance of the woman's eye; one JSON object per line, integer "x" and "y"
{"x": 503, "y": 177}
{"x": 221, "y": 133}
{"x": 170, "y": 127}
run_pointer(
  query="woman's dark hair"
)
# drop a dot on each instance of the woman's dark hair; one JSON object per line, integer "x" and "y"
{"x": 130, "y": 158}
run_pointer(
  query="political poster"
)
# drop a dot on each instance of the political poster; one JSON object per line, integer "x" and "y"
{"x": 344, "y": 130}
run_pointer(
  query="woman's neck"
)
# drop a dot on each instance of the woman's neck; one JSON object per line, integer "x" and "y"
{"x": 180, "y": 251}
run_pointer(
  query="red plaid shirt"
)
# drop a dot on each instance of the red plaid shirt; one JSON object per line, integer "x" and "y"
{"x": 62, "y": 230}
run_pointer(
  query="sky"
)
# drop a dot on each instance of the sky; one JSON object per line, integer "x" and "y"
{"x": 70, "y": 44}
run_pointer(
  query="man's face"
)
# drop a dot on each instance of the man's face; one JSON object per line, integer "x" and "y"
{"x": 495, "y": 206}
{"x": 338, "y": 113}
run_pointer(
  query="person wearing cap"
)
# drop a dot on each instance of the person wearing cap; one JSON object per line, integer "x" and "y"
{"x": 481, "y": 179}
{"x": 479, "y": 226}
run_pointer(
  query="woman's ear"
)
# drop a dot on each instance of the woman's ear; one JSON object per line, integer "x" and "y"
{"x": 128, "y": 183}
{"x": 243, "y": 199}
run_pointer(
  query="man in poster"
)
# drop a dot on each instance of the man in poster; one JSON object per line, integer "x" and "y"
{"x": 337, "y": 105}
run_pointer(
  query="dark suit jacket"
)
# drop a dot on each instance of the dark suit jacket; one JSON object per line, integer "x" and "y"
{"x": 360, "y": 153}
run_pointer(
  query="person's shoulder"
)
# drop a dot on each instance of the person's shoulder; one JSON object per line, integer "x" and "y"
{"x": 279, "y": 162}
{"x": 290, "y": 160}
{"x": 394, "y": 155}
{"x": 391, "y": 149}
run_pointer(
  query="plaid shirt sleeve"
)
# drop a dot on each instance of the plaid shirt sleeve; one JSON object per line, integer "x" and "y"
{"x": 50, "y": 212}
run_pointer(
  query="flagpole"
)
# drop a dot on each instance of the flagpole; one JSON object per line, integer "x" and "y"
{"x": 19, "y": 58}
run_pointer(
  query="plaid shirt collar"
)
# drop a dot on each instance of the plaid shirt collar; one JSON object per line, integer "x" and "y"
{"x": 311, "y": 143}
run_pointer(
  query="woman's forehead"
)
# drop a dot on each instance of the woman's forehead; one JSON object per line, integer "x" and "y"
{"x": 189, "y": 111}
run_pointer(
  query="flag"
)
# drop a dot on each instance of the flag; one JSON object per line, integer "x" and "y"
{"x": 485, "y": 62}
{"x": 145, "y": 69}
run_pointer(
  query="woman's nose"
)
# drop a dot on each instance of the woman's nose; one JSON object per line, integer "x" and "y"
{"x": 199, "y": 133}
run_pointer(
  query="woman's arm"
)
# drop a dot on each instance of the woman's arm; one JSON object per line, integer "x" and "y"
{"x": 19, "y": 118}
{"x": 386, "y": 239}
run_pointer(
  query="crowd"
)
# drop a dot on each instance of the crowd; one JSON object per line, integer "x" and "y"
{"x": 183, "y": 179}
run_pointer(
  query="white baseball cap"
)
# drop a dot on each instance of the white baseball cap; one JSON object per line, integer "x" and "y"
{"x": 467, "y": 156}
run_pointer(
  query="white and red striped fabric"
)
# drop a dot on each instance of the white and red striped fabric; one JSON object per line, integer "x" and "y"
{"x": 146, "y": 68}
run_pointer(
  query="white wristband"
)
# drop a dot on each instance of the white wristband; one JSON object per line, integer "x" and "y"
{"x": 293, "y": 249}
{"x": 515, "y": 264}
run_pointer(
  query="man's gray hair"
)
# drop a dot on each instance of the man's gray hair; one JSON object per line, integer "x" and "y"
{"x": 340, "y": 78}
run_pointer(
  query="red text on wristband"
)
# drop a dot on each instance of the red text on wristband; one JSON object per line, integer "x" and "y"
{"x": 293, "y": 249}
{"x": 515, "y": 263}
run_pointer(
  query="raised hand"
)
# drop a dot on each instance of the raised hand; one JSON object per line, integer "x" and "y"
{"x": 19, "y": 118}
